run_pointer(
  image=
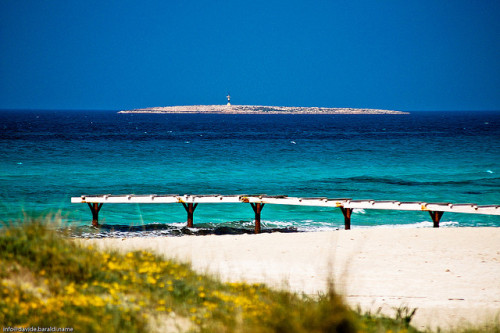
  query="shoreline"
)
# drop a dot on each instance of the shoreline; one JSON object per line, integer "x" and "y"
{"x": 257, "y": 109}
{"x": 449, "y": 274}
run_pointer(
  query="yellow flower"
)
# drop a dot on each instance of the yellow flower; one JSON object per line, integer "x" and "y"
{"x": 80, "y": 301}
{"x": 113, "y": 266}
{"x": 97, "y": 301}
{"x": 70, "y": 289}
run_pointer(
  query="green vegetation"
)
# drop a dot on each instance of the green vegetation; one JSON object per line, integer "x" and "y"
{"x": 47, "y": 280}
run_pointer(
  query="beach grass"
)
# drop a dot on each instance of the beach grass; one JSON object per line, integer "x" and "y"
{"x": 49, "y": 280}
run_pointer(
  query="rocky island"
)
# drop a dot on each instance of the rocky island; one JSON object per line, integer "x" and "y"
{"x": 258, "y": 109}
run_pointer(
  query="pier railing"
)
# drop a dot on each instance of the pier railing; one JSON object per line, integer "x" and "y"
{"x": 190, "y": 202}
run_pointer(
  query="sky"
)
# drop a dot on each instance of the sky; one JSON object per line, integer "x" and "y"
{"x": 119, "y": 55}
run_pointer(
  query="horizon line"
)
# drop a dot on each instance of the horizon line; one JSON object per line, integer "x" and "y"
{"x": 121, "y": 109}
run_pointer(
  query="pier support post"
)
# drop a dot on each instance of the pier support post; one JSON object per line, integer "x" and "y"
{"x": 347, "y": 217}
{"x": 257, "y": 208}
{"x": 436, "y": 217}
{"x": 190, "y": 210}
{"x": 95, "y": 208}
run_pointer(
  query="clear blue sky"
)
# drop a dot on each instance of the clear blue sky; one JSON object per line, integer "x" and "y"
{"x": 393, "y": 54}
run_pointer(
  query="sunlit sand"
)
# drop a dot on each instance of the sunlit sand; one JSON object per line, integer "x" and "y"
{"x": 451, "y": 275}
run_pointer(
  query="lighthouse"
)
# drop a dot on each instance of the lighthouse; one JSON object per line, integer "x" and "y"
{"x": 228, "y": 99}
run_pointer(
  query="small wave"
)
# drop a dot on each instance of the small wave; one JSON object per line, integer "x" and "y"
{"x": 230, "y": 228}
{"x": 418, "y": 225}
{"x": 403, "y": 182}
{"x": 173, "y": 229}
{"x": 430, "y": 224}
{"x": 358, "y": 211}
{"x": 359, "y": 150}
{"x": 318, "y": 229}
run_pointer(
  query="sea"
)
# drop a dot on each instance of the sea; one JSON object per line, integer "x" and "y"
{"x": 47, "y": 157}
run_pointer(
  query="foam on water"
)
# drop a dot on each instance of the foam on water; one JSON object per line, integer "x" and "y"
{"x": 229, "y": 228}
{"x": 423, "y": 224}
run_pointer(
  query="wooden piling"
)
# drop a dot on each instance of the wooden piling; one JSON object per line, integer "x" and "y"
{"x": 436, "y": 217}
{"x": 347, "y": 217}
{"x": 190, "y": 210}
{"x": 257, "y": 208}
{"x": 95, "y": 208}
{"x": 257, "y": 201}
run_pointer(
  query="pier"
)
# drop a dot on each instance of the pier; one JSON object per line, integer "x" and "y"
{"x": 257, "y": 202}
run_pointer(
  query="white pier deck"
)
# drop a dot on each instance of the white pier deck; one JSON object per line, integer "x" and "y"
{"x": 190, "y": 202}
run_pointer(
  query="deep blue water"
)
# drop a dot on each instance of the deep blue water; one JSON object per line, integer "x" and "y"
{"x": 49, "y": 156}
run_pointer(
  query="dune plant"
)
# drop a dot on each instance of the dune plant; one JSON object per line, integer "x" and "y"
{"x": 49, "y": 280}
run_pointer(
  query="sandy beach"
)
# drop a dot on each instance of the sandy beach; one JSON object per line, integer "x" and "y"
{"x": 451, "y": 275}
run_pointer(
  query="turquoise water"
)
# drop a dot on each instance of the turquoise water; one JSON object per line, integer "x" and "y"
{"x": 50, "y": 156}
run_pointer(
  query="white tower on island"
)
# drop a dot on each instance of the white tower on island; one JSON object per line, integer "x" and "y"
{"x": 228, "y": 99}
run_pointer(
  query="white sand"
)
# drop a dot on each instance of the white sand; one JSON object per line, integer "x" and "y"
{"x": 452, "y": 275}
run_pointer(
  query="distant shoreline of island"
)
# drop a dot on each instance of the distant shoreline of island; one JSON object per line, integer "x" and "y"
{"x": 257, "y": 109}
